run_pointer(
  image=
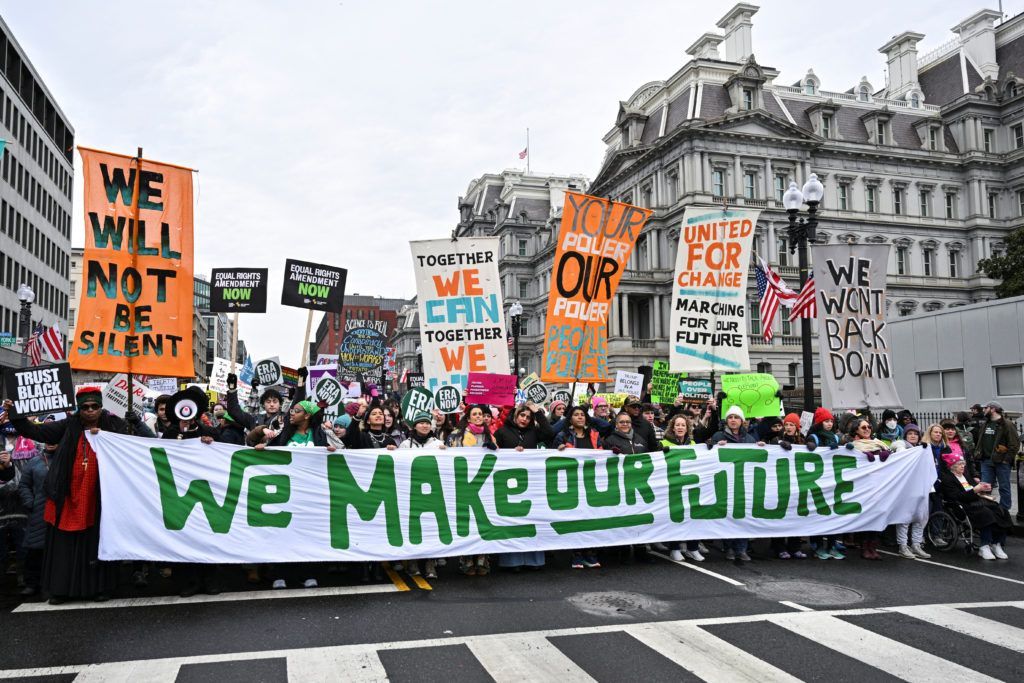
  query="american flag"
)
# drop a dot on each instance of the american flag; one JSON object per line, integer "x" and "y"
{"x": 771, "y": 290}
{"x": 511, "y": 340}
{"x": 806, "y": 305}
{"x": 53, "y": 342}
{"x": 34, "y": 348}
{"x": 524, "y": 153}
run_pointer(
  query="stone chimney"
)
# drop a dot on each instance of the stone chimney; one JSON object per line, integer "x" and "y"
{"x": 705, "y": 47}
{"x": 901, "y": 53}
{"x": 736, "y": 25}
{"x": 978, "y": 38}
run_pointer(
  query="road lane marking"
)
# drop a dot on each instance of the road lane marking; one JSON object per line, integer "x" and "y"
{"x": 697, "y": 568}
{"x": 164, "y": 600}
{"x": 959, "y": 569}
{"x": 982, "y": 628}
{"x": 795, "y": 606}
{"x": 886, "y": 654}
{"x": 422, "y": 583}
{"x": 705, "y": 655}
{"x": 354, "y": 665}
{"x": 529, "y": 657}
{"x": 395, "y": 578}
{"x": 358, "y": 653}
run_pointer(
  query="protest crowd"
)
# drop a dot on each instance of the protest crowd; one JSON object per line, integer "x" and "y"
{"x": 49, "y": 482}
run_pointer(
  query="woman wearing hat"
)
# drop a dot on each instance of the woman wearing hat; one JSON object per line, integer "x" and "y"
{"x": 989, "y": 518}
{"x": 71, "y": 566}
{"x": 422, "y": 434}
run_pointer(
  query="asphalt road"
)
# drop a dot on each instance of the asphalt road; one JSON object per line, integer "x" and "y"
{"x": 952, "y": 617}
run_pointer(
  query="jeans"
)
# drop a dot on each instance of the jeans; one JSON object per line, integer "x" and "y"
{"x": 916, "y": 533}
{"x": 737, "y": 545}
{"x": 992, "y": 534}
{"x": 990, "y": 472}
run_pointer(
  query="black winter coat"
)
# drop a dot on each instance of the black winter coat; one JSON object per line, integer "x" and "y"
{"x": 623, "y": 444}
{"x": 33, "y": 498}
{"x": 981, "y": 511}
{"x": 537, "y": 434}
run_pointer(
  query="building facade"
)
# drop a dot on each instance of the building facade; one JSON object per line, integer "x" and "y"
{"x": 331, "y": 329}
{"x": 35, "y": 195}
{"x": 929, "y": 163}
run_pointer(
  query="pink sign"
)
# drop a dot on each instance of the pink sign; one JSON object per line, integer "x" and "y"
{"x": 486, "y": 387}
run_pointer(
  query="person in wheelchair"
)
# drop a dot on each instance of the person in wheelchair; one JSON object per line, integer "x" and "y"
{"x": 986, "y": 516}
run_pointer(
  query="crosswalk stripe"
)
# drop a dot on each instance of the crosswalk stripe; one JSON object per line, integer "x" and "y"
{"x": 149, "y": 670}
{"x": 325, "y": 665}
{"x": 891, "y": 656}
{"x": 706, "y": 655}
{"x": 517, "y": 658}
{"x": 1010, "y": 637}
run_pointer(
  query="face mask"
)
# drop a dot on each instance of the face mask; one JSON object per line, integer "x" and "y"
{"x": 891, "y": 424}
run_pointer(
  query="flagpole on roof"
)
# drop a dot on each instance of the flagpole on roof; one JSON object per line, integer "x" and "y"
{"x": 527, "y": 154}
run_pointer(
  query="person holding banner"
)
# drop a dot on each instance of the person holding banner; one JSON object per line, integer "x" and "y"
{"x": 579, "y": 433}
{"x": 369, "y": 432}
{"x": 422, "y": 434}
{"x": 677, "y": 435}
{"x": 525, "y": 428}
{"x": 472, "y": 430}
{"x": 303, "y": 429}
{"x": 71, "y": 566}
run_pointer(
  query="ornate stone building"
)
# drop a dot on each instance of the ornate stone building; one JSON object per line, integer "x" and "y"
{"x": 929, "y": 163}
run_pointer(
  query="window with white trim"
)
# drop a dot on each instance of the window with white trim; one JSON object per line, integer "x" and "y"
{"x": 1009, "y": 380}
{"x": 992, "y": 205}
{"x": 954, "y": 263}
{"x": 901, "y": 260}
{"x": 942, "y": 384}
{"x": 869, "y": 197}
{"x": 522, "y": 247}
{"x": 748, "y": 99}
{"x": 1018, "y": 136}
{"x": 897, "y": 201}
{"x": 755, "y": 318}
{"x": 749, "y": 185}
{"x": 933, "y": 139}
{"x": 989, "y": 140}
{"x": 780, "y": 187}
{"x": 718, "y": 183}
{"x": 924, "y": 198}
{"x": 929, "y": 262}
{"x": 844, "y": 197}
{"x": 826, "y": 125}
{"x": 950, "y": 205}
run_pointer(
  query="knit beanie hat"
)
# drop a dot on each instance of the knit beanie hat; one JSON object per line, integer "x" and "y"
{"x": 822, "y": 414}
{"x": 423, "y": 417}
{"x": 343, "y": 421}
{"x": 792, "y": 418}
{"x": 735, "y": 410}
{"x": 912, "y": 428}
{"x": 950, "y": 458}
{"x": 555, "y": 404}
{"x": 598, "y": 401}
{"x": 888, "y": 414}
{"x": 88, "y": 395}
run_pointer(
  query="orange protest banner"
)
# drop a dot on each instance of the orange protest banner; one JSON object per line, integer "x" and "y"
{"x": 594, "y": 243}
{"x": 135, "y": 311}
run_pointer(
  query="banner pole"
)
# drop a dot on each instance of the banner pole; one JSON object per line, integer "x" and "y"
{"x": 234, "y": 341}
{"x": 132, "y": 250}
{"x": 304, "y": 356}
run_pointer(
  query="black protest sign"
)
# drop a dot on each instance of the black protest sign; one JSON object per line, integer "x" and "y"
{"x": 415, "y": 379}
{"x": 268, "y": 372}
{"x": 363, "y": 351}
{"x": 314, "y": 286}
{"x": 536, "y": 392}
{"x": 238, "y": 290}
{"x": 448, "y": 399}
{"x": 329, "y": 390}
{"x": 561, "y": 395}
{"x": 41, "y": 390}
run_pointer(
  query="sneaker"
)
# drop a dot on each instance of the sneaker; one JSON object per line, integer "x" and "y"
{"x": 784, "y": 555}
{"x": 660, "y": 547}
{"x": 412, "y": 567}
{"x": 730, "y": 554}
{"x": 836, "y": 554}
{"x": 310, "y": 583}
{"x": 676, "y": 555}
{"x": 905, "y": 552}
{"x": 822, "y": 554}
{"x": 985, "y": 553}
{"x": 919, "y": 551}
{"x": 997, "y": 550}
{"x": 800, "y": 555}
{"x": 483, "y": 566}
{"x": 743, "y": 557}
{"x": 840, "y": 545}
{"x": 279, "y": 583}
{"x": 590, "y": 562}
{"x": 693, "y": 555}
{"x": 57, "y": 599}
{"x": 577, "y": 562}
{"x": 701, "y": 548}
{"x": 431, "y": 568}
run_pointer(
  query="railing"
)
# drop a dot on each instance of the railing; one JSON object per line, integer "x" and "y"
{"x": 643, "y": 343}
{"x": 639, "y": 274}
{"x": 938, "y": 53}
{"x": 851, "y": 97}
{"x": 758, "y": 340}
{"x": 790, "y": 341}
{"x": 762, "y": 203}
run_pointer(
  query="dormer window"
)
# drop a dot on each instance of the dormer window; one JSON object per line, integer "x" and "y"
{"x": 748, "y": 99}
{"x": 862, "y": 94}
{"x": 809, "y": 88}
{"x": 826, "y": 126}
{"x": 880, "y": 132}
{"x": 933, "y": 139}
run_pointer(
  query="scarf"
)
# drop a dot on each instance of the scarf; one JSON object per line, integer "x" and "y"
{"x": 626, "y": 435}
{"x": 475, "y": 429}
{"x": 421, "y": 440}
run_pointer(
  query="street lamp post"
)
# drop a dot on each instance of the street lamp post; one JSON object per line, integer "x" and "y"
{"x": 419, "y": 358}
{"x": 802, "y": 231}
{"x": 515, "y": 312}
{"x": 26, "y": 296}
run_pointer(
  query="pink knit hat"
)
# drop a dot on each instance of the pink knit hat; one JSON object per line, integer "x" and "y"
{"x": 950, "y": 458}
{"x": 598, "y": 401}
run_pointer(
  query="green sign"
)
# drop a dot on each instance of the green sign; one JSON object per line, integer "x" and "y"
{"x": 755, "y": 393}
{"x": 416, "y": 401}
{"x": 664, "y": 384}
{"x": 447, "y": 399}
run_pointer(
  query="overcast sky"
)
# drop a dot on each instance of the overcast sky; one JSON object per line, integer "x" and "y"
{"x": 335, "y": 132}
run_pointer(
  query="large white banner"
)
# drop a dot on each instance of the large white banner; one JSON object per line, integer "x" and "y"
{"x": 856, "y": 360}
{"x": 462, "y": 318}
{"x": 184, "y": 501}
{"x": 709, "y": 302}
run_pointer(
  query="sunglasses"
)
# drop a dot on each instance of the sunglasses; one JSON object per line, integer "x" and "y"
{"x": 90, "y": 406}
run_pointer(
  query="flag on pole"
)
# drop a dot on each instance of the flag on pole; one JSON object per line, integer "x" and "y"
{"x": 524, "y": 153}
{"x": 806, "y": 304}
{"x": 34, "y": 347}
{"x": 53, "y": 343}
{"x": 771, "y": 290}
{"x": 511, "y": 340}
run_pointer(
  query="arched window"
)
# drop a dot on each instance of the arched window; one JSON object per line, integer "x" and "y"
{"x": 915, "y": 101}
{"x": 1011, "y": 89}
{"x": 809, "y": 88}
{"x": 862, "y": 94}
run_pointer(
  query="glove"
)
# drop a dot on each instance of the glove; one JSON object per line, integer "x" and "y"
{"x": 321, "y": 404}
{"x": 666, "y": 449}
{"x": 721, "y": 396}
{"x": 490, "y": 445}
{"x": 811, "y": 445}
{"x": 785, "y": 445}
{"x": 303, "y": 372}
{"x": 132, "y": 418}
{"x": 232, "y": 381}
{"x": 291, "y": 393}
{"x": 884, "y": 454}
{"x": 871, "y": 457}
{"x": 616, "y": 450}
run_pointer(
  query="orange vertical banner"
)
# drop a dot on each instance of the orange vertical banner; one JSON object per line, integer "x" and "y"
{"x": 135, "y": 311}
{"x": 595, "y": 240}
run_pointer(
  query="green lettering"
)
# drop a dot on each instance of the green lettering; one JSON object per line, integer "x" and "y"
{"x": 569, "y": 499}
{"x": 513, "y": 482}
{"x": 716, "y": 510}
{"x": 759, "y": 510}
{"x": 423, "y": 472}
{"x": 840, "y": 463}
{"x": 345, "y": 491}
{"x": 611, "y": 496}
{"x": 467, "y": 499}
{"x": 740, "y": 457}
{"x": 637, "y": 471}
{"x": 268, "y": 489}
{"x": 807, "y": 482}
{"x": 677, "y": 481}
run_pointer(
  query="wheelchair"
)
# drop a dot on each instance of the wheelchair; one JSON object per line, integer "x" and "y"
{"x": 947, "y": 527}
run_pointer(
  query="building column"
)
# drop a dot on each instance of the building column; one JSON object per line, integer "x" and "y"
{"x": 769, "y": 180}
{"x": 652, "y": 237}
{"x": 682, "y": 182}
{"x": 656, "y": 308}
{"x": 773, "y": 247}
{"x": 613, "y": 317}
{"x": 625, "y": 301}
{"x": 737, "y": 177}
